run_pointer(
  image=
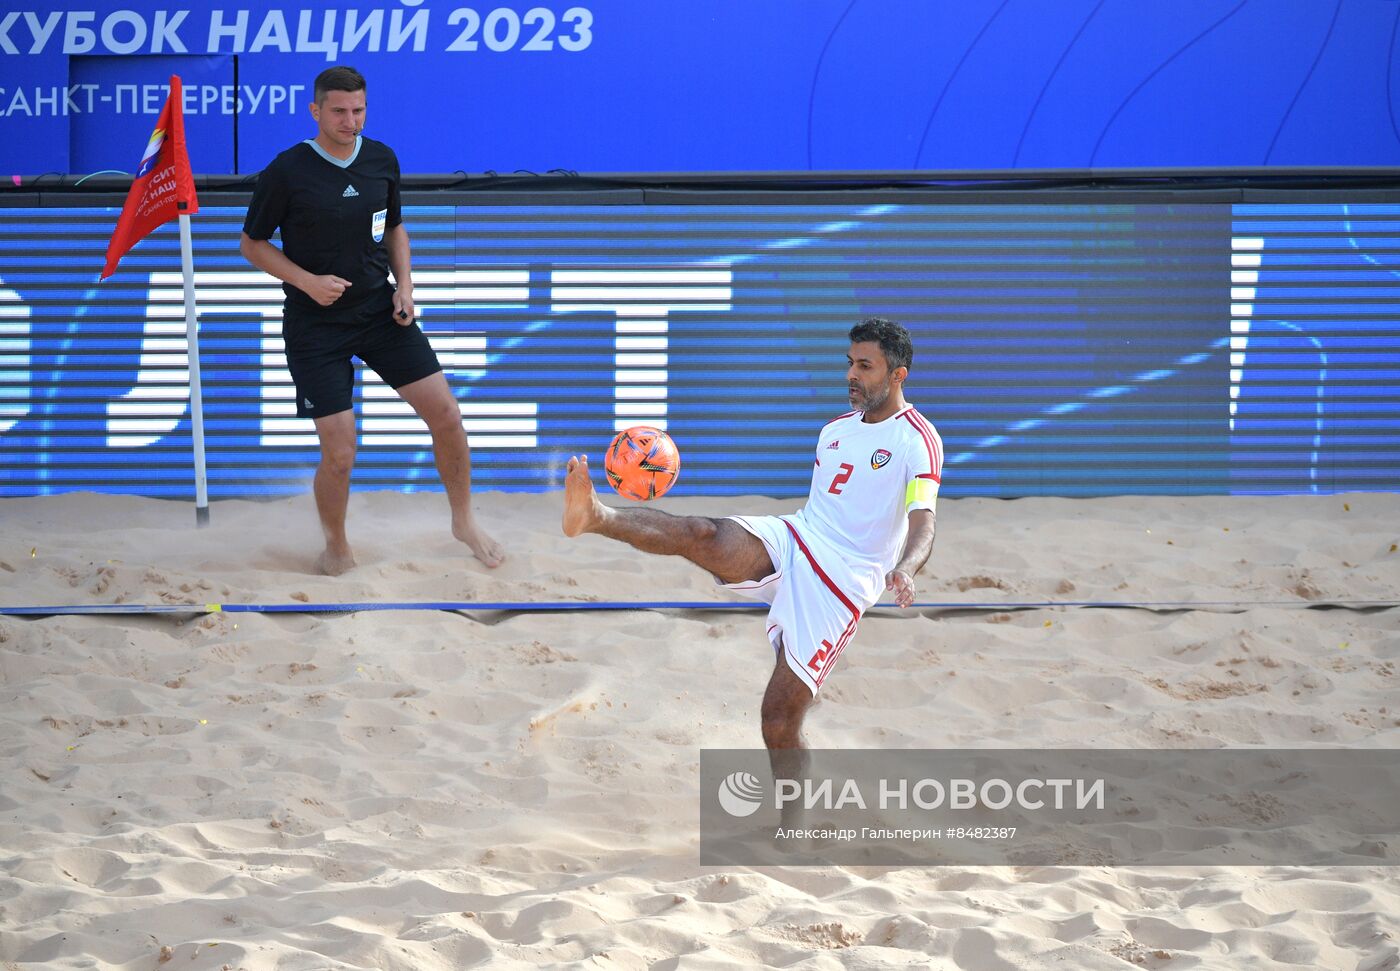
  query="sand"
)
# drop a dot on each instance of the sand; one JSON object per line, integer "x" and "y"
{"x": 430, "y": 790}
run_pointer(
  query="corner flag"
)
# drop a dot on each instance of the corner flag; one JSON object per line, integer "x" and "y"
{"x": 164, "y": 185}
{"x": 162, "y": 190}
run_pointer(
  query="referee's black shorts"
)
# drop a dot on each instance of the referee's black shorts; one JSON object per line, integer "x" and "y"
{"x": 320, "y": 351}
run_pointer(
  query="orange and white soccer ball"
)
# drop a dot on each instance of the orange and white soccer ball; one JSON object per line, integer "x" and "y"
{"x": 642, "y": 463}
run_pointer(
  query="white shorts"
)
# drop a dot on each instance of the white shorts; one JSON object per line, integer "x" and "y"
{"x": 813, "y": 615}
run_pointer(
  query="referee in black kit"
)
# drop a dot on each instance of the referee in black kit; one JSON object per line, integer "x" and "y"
{"x": 335, "y": 199}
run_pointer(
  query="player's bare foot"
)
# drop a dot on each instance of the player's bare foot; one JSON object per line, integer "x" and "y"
{"x": 483, "y": 547}
{"x": 334, "y": 562}
{"x": 582, "y": 510}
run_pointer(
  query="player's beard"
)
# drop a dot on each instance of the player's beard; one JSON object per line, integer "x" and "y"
{"x": 865, "y": 398}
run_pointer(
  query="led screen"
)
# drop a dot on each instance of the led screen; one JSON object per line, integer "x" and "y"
{"x": 1073, "y": 350}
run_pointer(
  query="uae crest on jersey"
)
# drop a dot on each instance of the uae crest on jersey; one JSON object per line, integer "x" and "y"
{"x": 880, "y": 458}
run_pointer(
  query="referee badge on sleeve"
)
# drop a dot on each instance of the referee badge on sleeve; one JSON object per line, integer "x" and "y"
{"x": 376, "y": 228}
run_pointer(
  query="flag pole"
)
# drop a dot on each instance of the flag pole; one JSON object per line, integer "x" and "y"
{"x": 201, "y": 481}
{"x": 162, "y": 189}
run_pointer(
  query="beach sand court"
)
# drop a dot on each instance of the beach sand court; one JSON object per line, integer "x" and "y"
{"x": 433, "y": 790}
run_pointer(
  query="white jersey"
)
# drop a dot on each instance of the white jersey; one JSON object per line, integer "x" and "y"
{"x": 830, "y": 557}
{"x": 866, "y": 480}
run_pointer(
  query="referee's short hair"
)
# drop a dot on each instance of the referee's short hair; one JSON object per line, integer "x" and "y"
{"x": 893, "y": 339}
{"x": 338, "y": 78}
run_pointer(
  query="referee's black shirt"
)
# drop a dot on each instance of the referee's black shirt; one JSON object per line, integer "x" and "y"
{"x": 333, "y": 219}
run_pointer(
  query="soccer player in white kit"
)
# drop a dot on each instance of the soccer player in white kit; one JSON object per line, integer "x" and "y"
{"x": 867, "y": 527}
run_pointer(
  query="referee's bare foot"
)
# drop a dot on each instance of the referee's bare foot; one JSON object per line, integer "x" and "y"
{"x": 334, "y": 562}
{"x": 582, "y": 509}
{"x": 483, "y": 547}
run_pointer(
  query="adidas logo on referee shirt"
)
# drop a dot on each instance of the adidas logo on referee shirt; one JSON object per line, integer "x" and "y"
{"x": 349, "y": 192}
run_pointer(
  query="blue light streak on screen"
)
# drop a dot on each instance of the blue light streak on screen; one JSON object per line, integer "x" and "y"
{"x": 1069, "y": 350}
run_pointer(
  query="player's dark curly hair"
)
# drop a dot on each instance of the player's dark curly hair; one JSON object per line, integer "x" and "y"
{"x": 339, "y": 78}
{"x": 893, "y": 339}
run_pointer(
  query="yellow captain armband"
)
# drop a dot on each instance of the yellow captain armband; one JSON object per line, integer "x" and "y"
{"x": 920, "y": 490}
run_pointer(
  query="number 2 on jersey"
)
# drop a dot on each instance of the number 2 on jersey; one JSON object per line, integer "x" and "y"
{"x": 841, "y": 477}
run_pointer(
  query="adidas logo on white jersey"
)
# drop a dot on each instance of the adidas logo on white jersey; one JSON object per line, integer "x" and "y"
{"x": 349, "y": 192}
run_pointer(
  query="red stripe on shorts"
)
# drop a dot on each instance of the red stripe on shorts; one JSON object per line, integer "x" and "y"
{"x": 841, "y": 643}
{"x": 830, "y": 584}
{"x": 820, "y": 572}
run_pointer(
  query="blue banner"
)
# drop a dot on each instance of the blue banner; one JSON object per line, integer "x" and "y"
{"x": 632, "y": 86}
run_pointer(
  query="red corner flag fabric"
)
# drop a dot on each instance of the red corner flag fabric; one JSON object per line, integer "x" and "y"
{"x": 163, "y": 182}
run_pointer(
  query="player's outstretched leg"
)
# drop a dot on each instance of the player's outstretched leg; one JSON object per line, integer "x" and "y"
{"x": 583, "y": 513}
{"x": 721, "y": 546}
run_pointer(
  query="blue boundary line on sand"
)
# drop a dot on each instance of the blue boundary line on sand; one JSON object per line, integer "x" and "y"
{"x": 568, "y": 606}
